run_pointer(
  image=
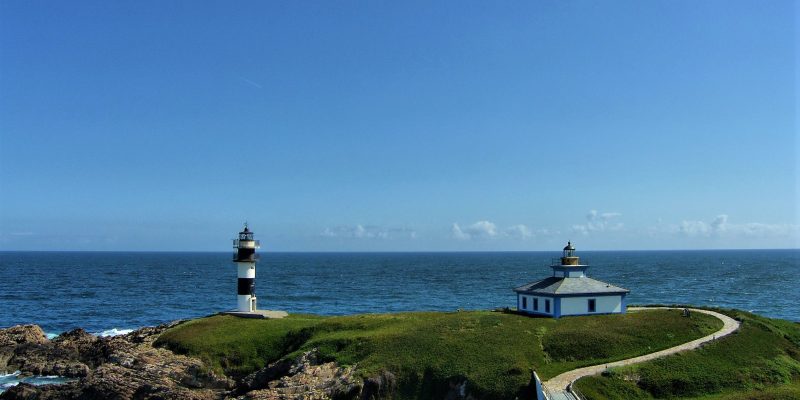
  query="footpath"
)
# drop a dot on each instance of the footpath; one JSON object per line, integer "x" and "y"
{"x": 558, "y": 388}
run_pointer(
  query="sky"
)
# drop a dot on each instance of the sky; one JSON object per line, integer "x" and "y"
{"x": 399, "y": 126}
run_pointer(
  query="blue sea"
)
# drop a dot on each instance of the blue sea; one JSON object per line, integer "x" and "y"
{"x": 113, "y": 292}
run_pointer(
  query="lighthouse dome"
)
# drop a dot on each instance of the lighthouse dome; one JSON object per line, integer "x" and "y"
{"x": 569, "y": 246}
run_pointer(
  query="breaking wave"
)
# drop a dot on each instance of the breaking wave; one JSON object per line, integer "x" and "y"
{"x": 114, "y": 332}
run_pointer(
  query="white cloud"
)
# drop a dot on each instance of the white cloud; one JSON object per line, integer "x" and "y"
{"x": 368, "y": 232}
{"x": 599, "y": 222}
{"x": 458, "y": 233}
{"x": 518, "y": 231}
{"x": 488, "y": 229}
{"x": 480, "y": 229}
{"x": 719, "y": 226}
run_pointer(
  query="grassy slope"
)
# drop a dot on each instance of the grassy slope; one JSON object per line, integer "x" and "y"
{"x": 494, "y": 351}
{"x": 762, "y": 360}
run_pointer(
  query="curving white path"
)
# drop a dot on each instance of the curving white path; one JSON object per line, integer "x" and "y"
{"x": 558, "y": 387}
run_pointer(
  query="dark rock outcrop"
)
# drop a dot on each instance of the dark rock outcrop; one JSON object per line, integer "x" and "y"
{"x": 130, "y": 367}
{"x": 19, "y": 336}
{"x": 304, "y": 378}
{"x": 121, "y": 367}
{"x": 381, "y": 386}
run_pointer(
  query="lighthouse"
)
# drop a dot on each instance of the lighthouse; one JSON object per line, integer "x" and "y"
{"x": 570, "y": 292}
{"x": 245, "y": 258}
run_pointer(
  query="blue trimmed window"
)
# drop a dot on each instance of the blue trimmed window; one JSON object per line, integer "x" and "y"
{"x": 524, "y": 303}
{"x": 535, "y": 304}
{"x": 592, "y": 305}
{"x": 547, "y": 306}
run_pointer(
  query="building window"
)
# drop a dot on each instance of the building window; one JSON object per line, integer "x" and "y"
{"x": 535, "y": 304}
{"x": 547, "y": 306}
{"x": 524, "y": 303}
{"x": 592, "y": 305}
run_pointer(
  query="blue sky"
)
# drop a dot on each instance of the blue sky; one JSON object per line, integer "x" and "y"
{"x": 400, "y": 126}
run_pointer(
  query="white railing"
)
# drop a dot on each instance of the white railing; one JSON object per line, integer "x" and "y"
{"x": 256, "y": 243}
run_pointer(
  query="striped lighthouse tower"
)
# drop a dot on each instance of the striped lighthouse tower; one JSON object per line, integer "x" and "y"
{"x": 245, "y": 258}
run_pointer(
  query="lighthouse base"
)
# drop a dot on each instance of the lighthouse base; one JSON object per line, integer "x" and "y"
{"x": 262, "y": 314}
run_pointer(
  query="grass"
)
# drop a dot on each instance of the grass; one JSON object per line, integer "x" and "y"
{"x": 761, "y": 360}
{"x": 494, "y": 351}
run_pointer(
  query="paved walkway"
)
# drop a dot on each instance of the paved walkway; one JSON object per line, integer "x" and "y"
{"x": 557, "y": 386}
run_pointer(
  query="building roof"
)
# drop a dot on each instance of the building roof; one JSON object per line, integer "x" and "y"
{"x": 558, "y": 286}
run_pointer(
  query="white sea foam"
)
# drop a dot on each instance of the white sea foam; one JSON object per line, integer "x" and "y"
{"x": 51, "y": 335}
{"x": 114, "y": 332}
{"x": 8, "y": 381}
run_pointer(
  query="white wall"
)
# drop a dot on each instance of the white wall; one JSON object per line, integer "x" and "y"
{"x": 569, "y": 274}
{"x": 246, "y": 270}
{"x": 580, "y": 305}
{"x": 243, "y": 303}
{"x": 530, "y": 304}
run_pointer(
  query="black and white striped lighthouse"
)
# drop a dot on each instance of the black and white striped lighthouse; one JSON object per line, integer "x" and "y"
{"x": 245, "y": 258}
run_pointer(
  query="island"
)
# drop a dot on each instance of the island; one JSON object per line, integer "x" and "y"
{"x": 415, "y": 355}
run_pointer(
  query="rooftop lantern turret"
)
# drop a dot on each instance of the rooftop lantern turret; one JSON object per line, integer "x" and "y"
{"x": 246, "y": 233}
{"x": 568, "y": 257}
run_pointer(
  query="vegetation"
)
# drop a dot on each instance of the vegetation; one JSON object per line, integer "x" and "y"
{"x": 494, "y": 351}
{"x": 760, "y": 361}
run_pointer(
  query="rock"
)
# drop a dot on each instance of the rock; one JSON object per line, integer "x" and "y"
{"x": 261, "y": 378}
{"x": 22, "y": 391}
{"x": 129, "y": 367}
{"x": 47, "y": 392}
{"x": 306, "y": 378}
{"x": 379, "y": 387}
{"x": 11, "y": 338}
{"x": 121, "y": 367}
{"x": 80, "y": 345}
{"x": 22, "y": 334}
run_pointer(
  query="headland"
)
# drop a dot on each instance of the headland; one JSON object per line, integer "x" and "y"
{"x": 468, "y": 354}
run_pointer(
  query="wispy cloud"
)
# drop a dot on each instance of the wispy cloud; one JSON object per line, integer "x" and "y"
{"x": 518, "y": 231}
{"x": 368, "y": 232}
{"x": 251, "y": 83}
{"x": 719, "y": 226}
{"x": 487, "y": 230}
{"x": 599, "y": 222}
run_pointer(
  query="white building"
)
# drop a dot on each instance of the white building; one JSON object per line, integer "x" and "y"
{"x": 570, "y": 292}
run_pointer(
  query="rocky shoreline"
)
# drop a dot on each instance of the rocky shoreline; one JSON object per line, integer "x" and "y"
{"x": 130, "y": 367}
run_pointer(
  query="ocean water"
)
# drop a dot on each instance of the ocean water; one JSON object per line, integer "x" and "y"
{"x": 13, "y": 379}
{"x": 112, "y": 292}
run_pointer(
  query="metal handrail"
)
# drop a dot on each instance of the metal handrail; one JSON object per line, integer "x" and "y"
{"x": 575, "y": 392}
{"x": 557, "y": 261}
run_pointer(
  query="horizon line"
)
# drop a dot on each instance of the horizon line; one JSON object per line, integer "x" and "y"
{"x": 388, "y": 251}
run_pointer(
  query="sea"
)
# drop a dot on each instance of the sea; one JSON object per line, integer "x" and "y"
{"x": 110, "y": 293}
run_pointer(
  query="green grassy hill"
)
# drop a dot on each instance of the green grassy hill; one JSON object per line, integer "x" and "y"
{"x": 494, "y": 351}
{"x": 760, "y": 361}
